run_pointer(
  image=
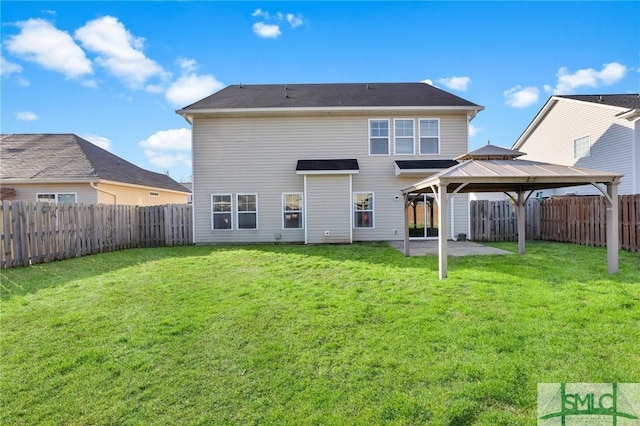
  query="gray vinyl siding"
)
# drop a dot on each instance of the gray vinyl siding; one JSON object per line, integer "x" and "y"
{"x": 328, "y": 201}
{"x": 258, "y": 155}
{"x": 611, "y": 140}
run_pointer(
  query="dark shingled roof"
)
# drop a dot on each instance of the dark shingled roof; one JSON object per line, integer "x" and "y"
{"x": 69, "y": 157}
{"x": 330, "y": 95}
{"x": 339, "y": 164}
{"x": 631, "y": 101}
{"x": 425, "y": 164}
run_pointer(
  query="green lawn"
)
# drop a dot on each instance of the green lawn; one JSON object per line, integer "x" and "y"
{"x": 335, "y": 335}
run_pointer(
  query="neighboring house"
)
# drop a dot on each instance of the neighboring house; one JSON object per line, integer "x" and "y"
{"x": 592, "y": 131}
{"x": 323, "y": 163}
{"x": 67, "y": 168}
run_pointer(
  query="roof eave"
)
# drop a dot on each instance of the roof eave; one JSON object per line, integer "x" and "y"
{"x": 188, "y": 113}
{"x": 535, "y": 122}
{"x": 23, "y": 181}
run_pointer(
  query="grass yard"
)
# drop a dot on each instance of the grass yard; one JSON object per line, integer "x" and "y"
{"x": 336, "y": 335}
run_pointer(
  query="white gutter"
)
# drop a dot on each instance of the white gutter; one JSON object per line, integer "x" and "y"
{"x": 94, "y": 186}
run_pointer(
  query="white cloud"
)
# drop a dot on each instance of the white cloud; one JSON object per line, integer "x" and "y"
{"x": 101, "y": 141}
{"x": 269, "y": 27}
{"x": 7, "y": 68}
{"x": 26, "y": 116}
{"x": 91, "y": 84}
{"x": 266, "y": 30}
{"x": 427, "y": 81}
{"x": 187, "y": 65}
{"x": 456, "y": 83}
{"x": 294, "y": 20}
{"x": 191, "y": 87}
{"x": 119, "y": 51}
{"x": 168, "y": 148}
{"x": 473, "y": 130}
{"x": 40, "y": 42}
{"x": 569, "y": 83}
{"x": 259, "y": 12}
{"x": 519, "y": 97}
{"x": 612, "y": 73}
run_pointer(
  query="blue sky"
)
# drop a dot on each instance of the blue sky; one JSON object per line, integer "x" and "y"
{"x": 115, "y": 72}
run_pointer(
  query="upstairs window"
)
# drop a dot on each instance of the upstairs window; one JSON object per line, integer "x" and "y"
{"x": 292, "y": 211}
{"x": 403, "y": 131}
{"x": 363, "y": 209}
{"x": 429, "y": 136}
{"x": 247, "y": 211}
{"x": 221, "y": 211}
{"x": 379, "y": 137}
{"x": 581, "y": 147}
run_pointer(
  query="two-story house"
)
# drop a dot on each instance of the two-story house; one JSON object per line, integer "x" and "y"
{"x": 591, "y": 131}
{"x": 323, "y": 163}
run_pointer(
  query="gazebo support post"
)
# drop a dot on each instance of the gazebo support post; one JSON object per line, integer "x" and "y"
{"x": 521, "y": 202}
{"x": 442, "y": 230}
{"x": 406, "y": 224}
{"x": 612, "y": 227}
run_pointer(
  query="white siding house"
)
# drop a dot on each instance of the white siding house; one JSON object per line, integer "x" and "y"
{"x": 591, "y": 131}
{"x": 322, "y": 163}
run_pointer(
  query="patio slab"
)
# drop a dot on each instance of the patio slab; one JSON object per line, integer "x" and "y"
{"x": 454, "y": 248}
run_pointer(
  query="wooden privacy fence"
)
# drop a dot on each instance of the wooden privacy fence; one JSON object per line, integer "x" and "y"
{"x": 571, "y": 219}
{"x": 42, "y": 232}
{"x": 582, "y": 220}
{"x": 498, "y": 220}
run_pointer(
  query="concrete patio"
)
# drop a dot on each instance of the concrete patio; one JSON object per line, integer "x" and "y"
{"x": 455, "y": 248}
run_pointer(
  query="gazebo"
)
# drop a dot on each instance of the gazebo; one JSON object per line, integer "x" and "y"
{"x": 495, "y": 169}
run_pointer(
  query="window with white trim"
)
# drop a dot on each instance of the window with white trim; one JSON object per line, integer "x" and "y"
{"x": 363, "y": 209}
{"x": 429, "y": 129}
{"x": 57, "y": 198}
{"x": 379, "y": 137}
{"x": 403, "y": 130}
{"x": 292, "y": 211}
{"x": 581, "y": 147}
{"x": 221, "y": 212}
{"x": 247, "y": 211}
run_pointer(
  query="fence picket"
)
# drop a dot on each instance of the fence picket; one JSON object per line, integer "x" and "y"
{"x": 42, "y": 232}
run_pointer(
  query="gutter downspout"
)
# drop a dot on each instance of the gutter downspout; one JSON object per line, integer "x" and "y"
{"x": 115, "y": 197}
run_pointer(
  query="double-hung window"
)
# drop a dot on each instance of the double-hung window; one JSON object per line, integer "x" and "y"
{"x": 247, "y": 211}
{"x": 221, "y": 212}
{"x": 292, "y": 211}
{"x": 363, "y": 209}
{"x": 57, "y": 198}
{"x": 581, "y": 147}
{"x": 403, "y": 131}
{"x": 429, "y": 136}
{"x": 379, "y": 137}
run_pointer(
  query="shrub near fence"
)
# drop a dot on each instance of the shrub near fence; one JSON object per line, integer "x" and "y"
{"x": 42, "y": 232}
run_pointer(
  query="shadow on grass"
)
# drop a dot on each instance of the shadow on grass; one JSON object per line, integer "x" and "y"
{"x": 27, "y": 280}
{"x": 553, "y": 262}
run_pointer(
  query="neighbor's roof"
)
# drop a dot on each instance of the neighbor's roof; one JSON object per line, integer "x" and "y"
{"x": 340, "y": 95}
{"x": 50, "y": 157}
{"x": 630, "y": 101}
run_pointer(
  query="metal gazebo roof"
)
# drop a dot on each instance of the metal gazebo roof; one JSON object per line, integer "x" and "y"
{"x": 496, "y": 169}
